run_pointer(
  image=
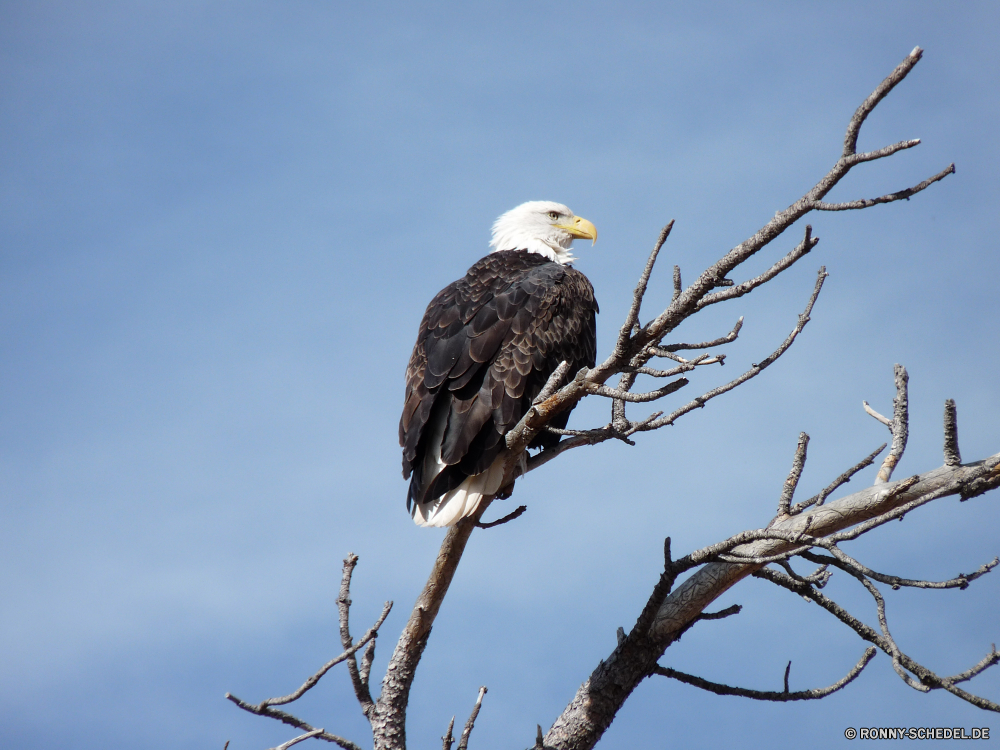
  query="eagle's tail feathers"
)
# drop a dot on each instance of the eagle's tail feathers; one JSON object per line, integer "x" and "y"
{"x": 462, "y": 501}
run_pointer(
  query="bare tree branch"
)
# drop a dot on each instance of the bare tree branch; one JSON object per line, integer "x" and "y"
{"x": 639, "y": 398}
{"x": 664, "y": 351}
{"x": 876, "y": 503}
{"x": 788, "y": 491}
{"x": 926, "y": 679}
{"x": 361, "y": 691}
{"x": 839, "y": 481}
{"x": 845, "y": 562}
{"x": 881, "y": 153}
{"x": 884, "y": 420}
{"x": 754, "y": 370}
{"x": 880, "y": 92}
{"x": 287, "y": 718}
{"x": 506, "y": 519}
{"x": 632, "y": 317}
{"x": 368, "y": 637}
{"x": 448, "y": 740}
{"x": 768, "y": 695}
{"x": 686, "y": 365}
{"x": 735, "y": 609}
{"x": 802, "y": 249}
{"x": 890, "y": 198}
{"x": 952, "y": 456}
{"x": 553, "y": 383}
{"x": 297, "y": 740}
{"x": 900, "y": 426}
{"x": 463, "y": 743}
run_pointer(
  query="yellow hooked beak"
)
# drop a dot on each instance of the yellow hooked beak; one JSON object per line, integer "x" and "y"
{"x": 581, "y": 229}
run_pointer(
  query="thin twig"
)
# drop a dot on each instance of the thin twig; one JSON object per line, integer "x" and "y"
{"x": 294, "y": 721}
{"x": 639, "y": 398}
{"x": 890, "y": 198}
{"x": 297, "y": 740}
{"x": 448, "y": 740}
{"x": 738, "y": 290}
{"x": 820, "y": 577}
{"x": 844, "y": 562}
{"x": 366, "y": 662}
{"x": 506, "y": 519}
{"x": 880, "y": 92}
{"x": 788, "y": 490}
{"x": 369, "y": 636}
{"x": 985, "y": 663}
{"x": 769, "y": 695}
{"x": 625, "y": 334}
{"x": 881, "y": 153}
{"x": 844, "y": 478}
{"x": 361, "y": 691}
{"x": 927, "y": 678}
{"x": 463, "y": 743}
{"x": 900, "y": 426}
{"x": 754, "y": 370}
{"x": 871, "y": 412}
{"x": 662, "y": 351}
{"x": 553, "y": 383}
{"x": 734, "y": 609}
{"x": 952, "y": 456}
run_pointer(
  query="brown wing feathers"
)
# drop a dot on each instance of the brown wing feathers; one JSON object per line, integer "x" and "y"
{"x": 486, "y": 346}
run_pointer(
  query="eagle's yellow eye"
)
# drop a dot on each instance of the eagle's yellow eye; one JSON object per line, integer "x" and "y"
{"x": 553, "y": 215}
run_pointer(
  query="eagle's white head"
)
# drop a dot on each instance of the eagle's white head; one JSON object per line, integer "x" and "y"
{"x": 541, "y": 227}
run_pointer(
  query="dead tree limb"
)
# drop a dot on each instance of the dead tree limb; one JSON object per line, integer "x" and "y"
{"x": 598, "y": 700}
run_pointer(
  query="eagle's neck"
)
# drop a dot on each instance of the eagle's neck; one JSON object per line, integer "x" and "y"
{"x": 555, "y": 253}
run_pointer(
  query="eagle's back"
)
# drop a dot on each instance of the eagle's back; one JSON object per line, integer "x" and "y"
{"x": 486, "y": 346}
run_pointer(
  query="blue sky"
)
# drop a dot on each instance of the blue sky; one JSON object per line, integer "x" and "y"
{"x": 220, "y": 225}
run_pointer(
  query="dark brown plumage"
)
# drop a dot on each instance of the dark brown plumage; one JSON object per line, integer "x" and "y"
{"x": 485, "y": 348}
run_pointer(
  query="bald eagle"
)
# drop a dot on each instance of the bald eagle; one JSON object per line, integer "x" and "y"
{"x": 487, "y": 344}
